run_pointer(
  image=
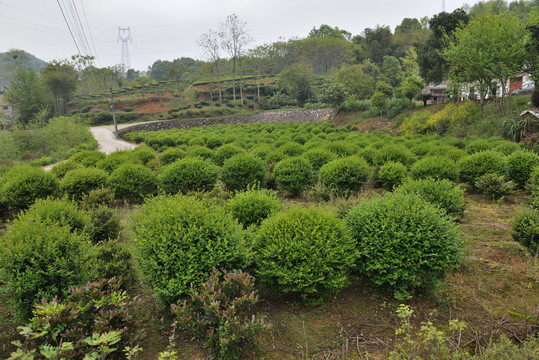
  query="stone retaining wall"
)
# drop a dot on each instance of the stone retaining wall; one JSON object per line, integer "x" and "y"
{"x": 265, "y": 117}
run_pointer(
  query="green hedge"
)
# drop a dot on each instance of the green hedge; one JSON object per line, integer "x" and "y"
{"x": 304, "y": 251}
{"x": 243, "y": 171}
{"x": 404, "y": 243}
{"x": 179, "y": 239}
{"x": 346, "y": 174}
{"x": 189, "y": 174}
{"x": 293, "y": 175}
{"x": 22, "y": 185}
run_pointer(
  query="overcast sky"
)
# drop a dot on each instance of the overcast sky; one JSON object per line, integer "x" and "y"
{"x": 168, "y": 29}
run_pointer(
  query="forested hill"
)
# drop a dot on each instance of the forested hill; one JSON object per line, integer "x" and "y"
{"x": 7, "y": 62}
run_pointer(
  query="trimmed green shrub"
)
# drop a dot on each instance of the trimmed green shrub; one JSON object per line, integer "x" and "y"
{"x": 495, "y": 185}
{"x": 507, "y": 147}
{"x": 104, "y": 225}
{"x": 478, "y": 146}
{"x": 260, "y": 151}
{"x": 370, "y": 154}
{"x": 391, "y": 175}
{"x": 41, "y": 260}
{"x": 178, "y": 238}
{"x": 293, "y": 174}
{"x": 404, "y": 243}
{"x": 341, "y": 148}
{"x": 96, "y": 198}
{"x": 451, "y": 152}
{"x": 81, "y": 181}
{"x": 42, "y": 161}
{"x": 346, "y": 174}
{"x": 251, "y": 206}
{"x": 133, "y": 182}
{"x": 116, "y": 159}
{"x": 113, "y": 259}
{"x": 441, "y": 193}
{"x": 520, "y": 165}
{"x": 525, "y": 229}
{"x": 60, "y": 169}
{"x": 57, "y": 211}
{"x": 22, "y": 185}
{"x": 213, "y": 142}
{"x": 436, "y": 167}
{"x": 226, "y": 152}
{"x": 304, "y": 251}
{"x": 171, "y": 155}
{"x": 144, "y": 154}
{"x": 189, "y": 174}
{"x": 200, "y": 152}
{"x": 291, "y": 149}
{"x": 395, "y": 153}
{"x": 88, "y": 158}
{"x": 471, "y": 167}
{"x": 319, "y": 157}
{"x": 242, "y": 171}
{"x": 273, "y": 157}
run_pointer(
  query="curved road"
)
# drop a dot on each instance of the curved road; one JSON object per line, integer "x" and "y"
{"x": 107, "y": 141}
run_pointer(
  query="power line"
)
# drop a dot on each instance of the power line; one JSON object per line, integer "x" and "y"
{"x": 91, "y": 37}
{"x": 62, "y": 10}
{"x": 75, "y": 26}
{"x": 81, "y": 27}
{"x": 28, "y": 11}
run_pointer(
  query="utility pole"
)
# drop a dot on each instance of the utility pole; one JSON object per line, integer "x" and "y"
{"x": 443, "y": 5}
{"x": 114, "y": 114}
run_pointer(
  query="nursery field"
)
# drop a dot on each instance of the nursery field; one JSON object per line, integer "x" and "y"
{"x": 276, "y": 241}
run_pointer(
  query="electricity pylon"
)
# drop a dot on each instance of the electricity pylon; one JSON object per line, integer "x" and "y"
{"x": 124, "y": 34}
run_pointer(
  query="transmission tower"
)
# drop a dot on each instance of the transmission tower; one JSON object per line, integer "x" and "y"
{"x": 124, "y": 34}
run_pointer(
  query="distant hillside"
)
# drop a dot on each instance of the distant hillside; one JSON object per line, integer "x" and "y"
{"x": 7, "y": 64}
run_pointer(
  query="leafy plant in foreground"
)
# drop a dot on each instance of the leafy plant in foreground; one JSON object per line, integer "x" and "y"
{"x": 220, "y": 312}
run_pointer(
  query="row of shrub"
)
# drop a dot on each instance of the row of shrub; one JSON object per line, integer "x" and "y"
{"x": 400, "y": 242}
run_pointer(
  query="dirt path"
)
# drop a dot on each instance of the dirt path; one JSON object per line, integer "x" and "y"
{"x": 107, "y": 141}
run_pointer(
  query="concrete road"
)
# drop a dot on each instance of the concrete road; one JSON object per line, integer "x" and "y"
{"x": 107, "y": 141}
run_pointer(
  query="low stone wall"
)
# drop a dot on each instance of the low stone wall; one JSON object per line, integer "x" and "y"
{"x": 265, "y": 117}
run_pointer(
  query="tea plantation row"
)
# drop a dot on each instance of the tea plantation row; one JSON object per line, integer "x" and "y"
{"x": 209, "y": 201}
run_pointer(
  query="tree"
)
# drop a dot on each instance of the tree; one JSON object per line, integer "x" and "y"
{"x": 410, "y": 87}
{"x": 531, "y": 61}
{"x": 325, "y": 54}
{"x": 378, "y": 43}
{"x": 234, "y": 39}
{"x": 209, "y": 42}
{"x": 334, "y": 94}
{"x": 261, "y": 62}
{"x": 61, "y": 79}
{"x": 490, "y": 48}
{"x": 392, "y": 69}
{"x": 328, "y": 31}
{"x": 410, "y": 67}
{"x": 355, "y": 81}
{"x": 433, "y": 67}
{"x": 296, "y": 81}
{"x": 26, "y": 94}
